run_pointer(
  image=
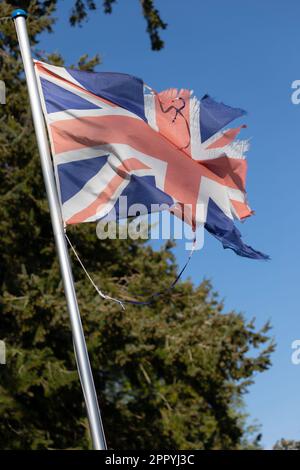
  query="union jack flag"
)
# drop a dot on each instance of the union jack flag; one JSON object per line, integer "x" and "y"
{"x": 112, "y": 135}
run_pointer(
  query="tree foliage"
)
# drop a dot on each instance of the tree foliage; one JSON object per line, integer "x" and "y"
{"x": 81, "y": 8}
{"x": 169, "y": 375}
{"x": 150, "y": 13}
{"x": 287, "y": 444}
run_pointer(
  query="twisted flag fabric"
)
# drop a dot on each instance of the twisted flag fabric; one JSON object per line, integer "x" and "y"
{"x": 112, "y": 135}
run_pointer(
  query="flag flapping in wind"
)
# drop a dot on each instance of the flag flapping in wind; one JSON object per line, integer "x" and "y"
{"x": 112, "y": 135}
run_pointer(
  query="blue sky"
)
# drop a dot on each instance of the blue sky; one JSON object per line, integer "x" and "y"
{"x": 247, "y": 55}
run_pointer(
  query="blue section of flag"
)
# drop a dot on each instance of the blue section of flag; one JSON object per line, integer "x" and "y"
{"x": 214, "y": 116}
{"x": 223, "y": 228}
{"x": 140, "y": 190}
{"x": 74, "y": 175}
{"x": 119, "y": 88}
{"x": 59, "y": 99}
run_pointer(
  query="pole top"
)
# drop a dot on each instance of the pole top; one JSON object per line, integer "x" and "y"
{"x": 19, "y": 12}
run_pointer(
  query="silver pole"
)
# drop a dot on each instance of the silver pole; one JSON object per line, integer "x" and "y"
{"x": 81, "y": 354}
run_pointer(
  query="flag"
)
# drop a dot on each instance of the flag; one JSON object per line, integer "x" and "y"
{"x": 112, "y": 135}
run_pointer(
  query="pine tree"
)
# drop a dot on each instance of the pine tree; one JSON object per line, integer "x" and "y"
{"x": 168, "y": 375}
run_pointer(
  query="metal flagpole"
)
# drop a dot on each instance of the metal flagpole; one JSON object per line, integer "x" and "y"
{"x": 81, "y": 354}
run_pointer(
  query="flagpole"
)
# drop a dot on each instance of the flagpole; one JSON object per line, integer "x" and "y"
{"x": 82, "y": 359}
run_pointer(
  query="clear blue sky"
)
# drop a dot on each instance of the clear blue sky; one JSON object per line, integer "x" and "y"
{"x": 246, "y": 54}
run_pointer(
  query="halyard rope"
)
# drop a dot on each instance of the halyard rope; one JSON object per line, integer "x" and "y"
{"x": 104, "y": 296}
{"x": 150, "y": 299}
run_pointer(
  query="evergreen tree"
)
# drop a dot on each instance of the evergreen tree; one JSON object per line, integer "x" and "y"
{"x": 168, "y": 375}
